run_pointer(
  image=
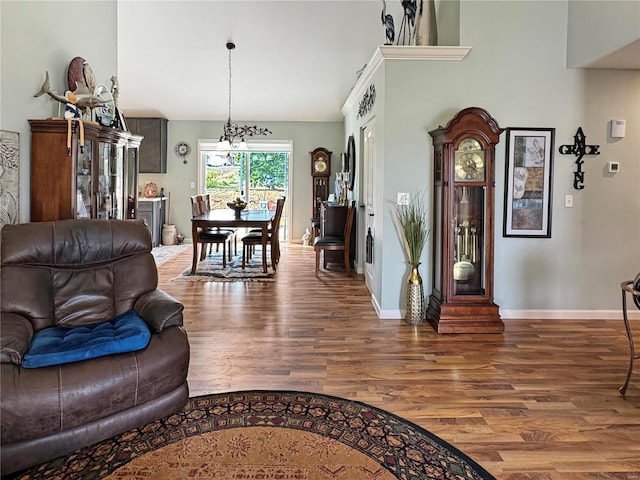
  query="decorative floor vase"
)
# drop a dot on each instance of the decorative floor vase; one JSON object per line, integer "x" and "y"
{"x": 426, "y": 29}
{"x": 414, "y": 301}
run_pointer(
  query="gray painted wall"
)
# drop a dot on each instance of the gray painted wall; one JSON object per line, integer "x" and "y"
{"x": 515, "y": 72}
{"x": 39, "y": 36}
{"x": 587, "y": 40}
{"x": 306, "y": 136}
{"x": 520, "y": 77}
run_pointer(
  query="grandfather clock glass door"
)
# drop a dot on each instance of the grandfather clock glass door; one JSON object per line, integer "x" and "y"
{"x": 469, "y": 275}
{"x": 462, "y": 296}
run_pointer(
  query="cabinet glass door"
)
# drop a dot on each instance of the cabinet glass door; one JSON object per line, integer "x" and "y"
{"x": 84, "y": 172}
{"x": 131, "y": 181}
{"x": 118, "y": 201}
{"x": 110, "y": 178}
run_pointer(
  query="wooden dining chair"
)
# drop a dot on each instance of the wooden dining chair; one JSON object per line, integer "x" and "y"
{"x": 254, "y": 238}
{"x": 212, "y": 236}
{"x": 206, "y": 207}
{"x": 324, "y": 243}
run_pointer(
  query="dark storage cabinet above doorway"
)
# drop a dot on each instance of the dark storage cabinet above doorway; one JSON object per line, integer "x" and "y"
{"x": 153, "y": 150}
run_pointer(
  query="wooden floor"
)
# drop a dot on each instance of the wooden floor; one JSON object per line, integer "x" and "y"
{"x": 540, "y": 401}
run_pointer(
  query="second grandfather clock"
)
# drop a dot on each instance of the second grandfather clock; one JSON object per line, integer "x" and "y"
{"x": 320, "y": 172}
{"x": 463, "y": 226}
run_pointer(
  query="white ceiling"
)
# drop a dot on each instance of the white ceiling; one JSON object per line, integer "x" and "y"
{"x": 627, "y": 57}
{"x": 295, "y": 60}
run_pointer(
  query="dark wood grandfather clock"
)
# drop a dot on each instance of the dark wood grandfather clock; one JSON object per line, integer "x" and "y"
{"x": 320, "y": 171}
{"x": 463, "y": 225}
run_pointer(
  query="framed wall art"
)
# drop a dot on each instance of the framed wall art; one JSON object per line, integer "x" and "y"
{"x": 9, "y": 178}
{"x": 528, "y": 182}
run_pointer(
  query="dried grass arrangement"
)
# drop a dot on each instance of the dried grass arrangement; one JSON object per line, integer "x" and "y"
{"x": 412, "y": 222}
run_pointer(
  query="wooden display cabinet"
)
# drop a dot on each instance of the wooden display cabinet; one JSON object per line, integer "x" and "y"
{"x": 69, "y": 179}
{"x": 463, "y": 226}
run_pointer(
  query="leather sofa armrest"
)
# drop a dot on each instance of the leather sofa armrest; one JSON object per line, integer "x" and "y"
{"x": 159, "y": 310}
{"x": 15, "y": 338}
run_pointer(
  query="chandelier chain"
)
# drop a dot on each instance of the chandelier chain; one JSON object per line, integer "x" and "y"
{"x": 229, "y": 117}
{"x": 231, "y": 131}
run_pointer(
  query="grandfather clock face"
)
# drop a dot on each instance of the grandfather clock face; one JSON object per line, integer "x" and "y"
{"x": 469, "y": 161}
{"x": 320, "y": 163}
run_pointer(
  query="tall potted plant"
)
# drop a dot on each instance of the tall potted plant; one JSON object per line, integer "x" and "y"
{"x": 412, "y": 222}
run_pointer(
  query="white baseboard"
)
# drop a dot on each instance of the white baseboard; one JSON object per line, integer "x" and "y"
{"x": 376, "y": 306}
{"x": 571, "y": 314}
{"x": 535, "y": 314}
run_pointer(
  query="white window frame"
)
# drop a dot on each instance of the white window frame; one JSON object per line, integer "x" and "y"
{"x": 253, "y": 145}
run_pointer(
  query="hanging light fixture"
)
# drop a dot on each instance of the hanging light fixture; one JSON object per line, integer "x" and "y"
{"x": 232, "y": 133}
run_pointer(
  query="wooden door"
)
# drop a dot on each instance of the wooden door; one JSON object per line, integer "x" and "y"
{"x": 368, "y": 170}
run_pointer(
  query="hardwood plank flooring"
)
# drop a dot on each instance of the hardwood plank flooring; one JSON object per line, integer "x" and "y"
{"x": 540, "y": 401}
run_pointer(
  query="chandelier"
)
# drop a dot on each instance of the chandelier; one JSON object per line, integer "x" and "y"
{"x": 232, "y": 133}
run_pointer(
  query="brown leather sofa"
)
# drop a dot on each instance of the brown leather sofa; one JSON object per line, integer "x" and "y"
{"x": 79, "y": 272}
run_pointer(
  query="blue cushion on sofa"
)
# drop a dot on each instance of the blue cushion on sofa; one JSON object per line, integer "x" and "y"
{"x": 57, "y": 345}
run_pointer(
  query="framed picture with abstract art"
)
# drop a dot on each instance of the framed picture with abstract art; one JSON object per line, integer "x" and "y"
{"x": 9, "y": 178}
{"x": 528, "y": 182}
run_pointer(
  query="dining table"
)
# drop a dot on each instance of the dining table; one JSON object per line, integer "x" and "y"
{"x": 228, "y": 218}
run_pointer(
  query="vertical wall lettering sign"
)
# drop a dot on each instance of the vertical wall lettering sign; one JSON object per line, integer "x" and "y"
{"x": 579, "y": 149}
{"x": 366, "y": 104}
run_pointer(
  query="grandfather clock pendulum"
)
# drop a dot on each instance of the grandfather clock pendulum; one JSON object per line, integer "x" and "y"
{"x": 463, "y": 226}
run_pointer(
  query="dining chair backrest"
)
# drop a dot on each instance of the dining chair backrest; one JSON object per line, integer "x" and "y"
{"x": 206, "y": 203}
{"x": 200, "y": 204}
{"x": 335, "y": 243}
{"x": 349, "y": 224}
{"x": 196, "y": 205}
{"x": 275, "y": 223}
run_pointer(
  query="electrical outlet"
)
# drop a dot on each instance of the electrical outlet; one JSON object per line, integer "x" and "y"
{"x": 193, "y": 185}
{"x": 403, "y": 198}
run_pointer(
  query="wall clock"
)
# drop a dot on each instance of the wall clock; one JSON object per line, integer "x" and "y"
{"x": 182, "y": 150}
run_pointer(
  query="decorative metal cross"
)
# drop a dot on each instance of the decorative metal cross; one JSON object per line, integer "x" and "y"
{"x": 579, "y": 149}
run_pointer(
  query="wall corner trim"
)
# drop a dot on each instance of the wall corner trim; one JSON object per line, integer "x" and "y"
{"x": 400, "y": 52}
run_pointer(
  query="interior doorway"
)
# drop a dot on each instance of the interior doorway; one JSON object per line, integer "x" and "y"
{"x": 368, "y": 170}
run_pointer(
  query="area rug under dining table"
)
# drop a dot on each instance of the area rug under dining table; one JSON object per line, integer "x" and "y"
{"x": 211, "y": 270}
{"x": 269, "y": 435}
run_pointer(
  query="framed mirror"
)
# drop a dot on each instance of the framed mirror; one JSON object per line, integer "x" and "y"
{"x": 351, "y": 157}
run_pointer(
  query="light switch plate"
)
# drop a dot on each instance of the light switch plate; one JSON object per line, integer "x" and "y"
{"x": 568, "y": 201}
{"x": 403, "y": 198}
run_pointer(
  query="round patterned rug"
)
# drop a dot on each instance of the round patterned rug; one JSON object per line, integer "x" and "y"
{"x": 269, "y": 435}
